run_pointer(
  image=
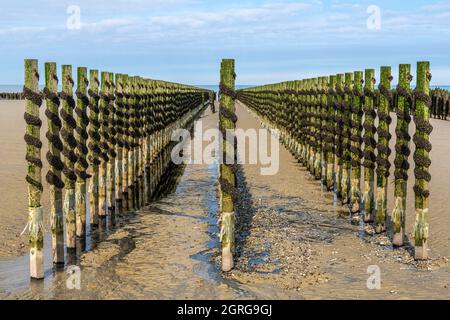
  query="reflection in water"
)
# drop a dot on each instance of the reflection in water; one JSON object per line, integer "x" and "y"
{"x": 14, "y": 273}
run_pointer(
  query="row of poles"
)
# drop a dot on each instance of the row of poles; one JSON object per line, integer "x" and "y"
{"x": 338, "y": 125}
{"x": 114, "y": 132}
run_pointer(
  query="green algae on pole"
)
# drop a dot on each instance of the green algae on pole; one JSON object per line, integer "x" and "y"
{"x": 383, "y": 149}
{"x": 324, "y": 128}
{"x": 54, "y": 158}
{"x": 111, "y": 165}
{"x": 70, "y": 158}
{"x": 94, "y": 146}
{"x": 82, "y": 165}
{"x": 130, "y": 140}
{"x": 402, "y": 153}
{"x": 120, "y": 150}
{"x": 227, "y": 178}
{"x": 317, "y": 127}
{"x": 355, "y": 148}
{"x": 331, "y": 149}
{"x": 422, "y": 160}
{"x": 33, "y": 101}
{"x": 368, "y": 199}
{"x": 340, "y": 135}
{"x": 103, "y": 119}
{"x": 346, "y": 154}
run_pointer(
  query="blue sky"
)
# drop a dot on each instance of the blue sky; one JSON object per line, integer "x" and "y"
{"x": 184, "y": 40}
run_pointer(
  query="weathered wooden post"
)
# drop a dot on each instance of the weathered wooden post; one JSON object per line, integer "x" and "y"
{"x": 55, "y": 147}
{"x": 402, "y": 153}
{"x": 346, "y": 142}
{"x": 148, "y": 140}
{"x": 324, "y": 128}
{"x": 112, "y": 142}
{"x": 141, "y": 125}
{"x": 317, "y": 127}
{"x": 331, "y": 148}
{"x": 339, "y": 134}
{"x": 132, "y": 143}
{"x": 368, "y": 199}
{"x": 383, "y": 150}
{"x": 129, "y": 156}
{"x": 227, "y": 178}
{"x": 82, "y": 165}
{"x": 103, "y": 118}
{"x": 120, "y": 149}
{"x": 356, "y": 139}
{"x": 70, "y": 158}
{"x": 127, "y": 165}
{"x": 94, "y": 146}
{"x": 422, "y": 159}
{"x": 33, "y": 100}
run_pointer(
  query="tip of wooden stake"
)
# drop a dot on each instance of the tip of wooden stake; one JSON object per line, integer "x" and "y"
{"x": 421, "y": 253}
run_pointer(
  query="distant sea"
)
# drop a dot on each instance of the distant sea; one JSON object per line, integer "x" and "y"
{"x": 19, "y": 88}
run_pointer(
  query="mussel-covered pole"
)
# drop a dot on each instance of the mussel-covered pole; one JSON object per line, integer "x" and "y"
{"x": 356, "y": 140}
{"x": 112, "y": 142}
{"x": 323, "y": 83}
{"x": 131, "y": 144}
{"x": 70, "y": 158}
{"x": 383, "y": 150}
{"x": 346, "y": 154}
{"x": 120, "y": 123}
{"x": 82, "y": 151}
{"x": 103, "y": 119}
{"x": 317, "y": 126}
{"x": 94, "y": 146}
{"x": 33, "y": 100}
{"x": 227, "y": 178}
{"x": 54, "y": 158}
{"x": 331, "y": 149}
{"x": 402, "y": 153}
{"x": 123, "y": 104}
{"x": 368, "y": 199}
{"x": 339, "y": 159}
{"x": 422, "y": 159}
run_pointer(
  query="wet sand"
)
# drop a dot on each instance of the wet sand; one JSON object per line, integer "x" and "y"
{"x": 13, "y": 188}
{"x": 293, "y": 243}
{"x": 296, "y": 237}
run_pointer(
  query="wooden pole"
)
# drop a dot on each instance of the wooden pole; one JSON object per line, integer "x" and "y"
{"x": 141, "y": 124}
{"x": 324, "y": 125}
{"x": 103, "y": 118}
{"x": 126, "y": 182}
{"x": 137, "y": 163}
{"x": 356, "y": 140}
{"x": 346, "y": 154}
{"x": 422, "y": 160}
{"x": 317, "y": 127}
{"x": 331, "y": 172}
{"x": 383, "y": 150}
{"x": 340, "y": 134}
{"x": 112, "y": 142}
{"x": 54, "y": 158}
{"x": 94, "y": 146}
{"x": 82, "y": 151}
{"x": 227, "y": 178}
{"x": 33, "y": 101}
{"x": 70, "y": 158}
{"x": 402, "y": 153}
{"x": 120, "y": 121}
{"x": 131, "y": 142}
{"x": 368, "y": 199}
